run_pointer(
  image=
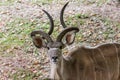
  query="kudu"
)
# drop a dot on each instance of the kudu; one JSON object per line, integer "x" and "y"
{"x": 82, "y": 63}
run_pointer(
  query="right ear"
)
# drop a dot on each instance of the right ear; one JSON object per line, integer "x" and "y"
{"x": 69, "y": 38}
{"x": 38, "y": 41}
{"x": 68, "y": 35}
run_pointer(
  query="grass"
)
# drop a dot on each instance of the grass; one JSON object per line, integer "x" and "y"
{"x": 43, "y": 2}
{"x": 98, "y": 2}
{"x": 17, "y": 33}
{"x": 10, "y": 2}
{"x": 23, "y": 74}
{"x": 17, "y": 36}
{"x": 6, "y": 2}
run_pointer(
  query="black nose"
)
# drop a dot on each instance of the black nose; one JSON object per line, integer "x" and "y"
{"x": 54, "y": 58}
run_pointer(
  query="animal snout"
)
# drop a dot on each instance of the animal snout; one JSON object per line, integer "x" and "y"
{"x": 54, "y": 59}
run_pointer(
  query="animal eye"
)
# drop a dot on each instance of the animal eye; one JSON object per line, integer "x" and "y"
{"x": 48, "y": 48}
{"x": 60, "y": 47}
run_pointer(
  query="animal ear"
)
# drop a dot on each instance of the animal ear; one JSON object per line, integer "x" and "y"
{"x": 69, "y": 38}
{"x": 38, "y": 41}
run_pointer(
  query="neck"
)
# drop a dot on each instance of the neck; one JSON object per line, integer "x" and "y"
{"x": 56, "y": 69}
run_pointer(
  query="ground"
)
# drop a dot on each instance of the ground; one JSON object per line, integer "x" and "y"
{"x": 98, "y": 21}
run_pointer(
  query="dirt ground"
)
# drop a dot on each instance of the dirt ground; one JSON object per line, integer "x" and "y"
{"x": 23, "y": 64}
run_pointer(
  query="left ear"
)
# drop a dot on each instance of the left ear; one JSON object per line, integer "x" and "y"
{"x": 69, "y": 38}
{"x": 38, "y": 41}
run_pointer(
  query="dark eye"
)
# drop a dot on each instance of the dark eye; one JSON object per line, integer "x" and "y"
{"x": 48, "y": 48}
{"x": 60, "y": 47}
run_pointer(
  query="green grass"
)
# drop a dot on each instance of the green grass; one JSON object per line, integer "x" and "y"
{"x": 6, "y": 2}
{"x": 10, "y": 2}
{"x": 17, "y": 33}
{"x": 43, "y": 2}
{"x": 98, "y": 2}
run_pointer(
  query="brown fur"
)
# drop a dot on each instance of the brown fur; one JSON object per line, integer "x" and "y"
{"x": 98, "y": 63}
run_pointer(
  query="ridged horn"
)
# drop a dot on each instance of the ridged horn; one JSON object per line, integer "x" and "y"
{"x": 51, "y": 22}
{"x": 43, "y": 34}
{"x": 61, "y": 16}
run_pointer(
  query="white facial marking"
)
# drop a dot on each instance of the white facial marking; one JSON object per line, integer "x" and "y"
{"x": 54, "y": 54}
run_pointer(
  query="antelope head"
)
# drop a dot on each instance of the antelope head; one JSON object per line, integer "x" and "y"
{"x": 42, "y": 39}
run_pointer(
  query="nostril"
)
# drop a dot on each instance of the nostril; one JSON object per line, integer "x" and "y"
{"x": 55, "y": 57}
